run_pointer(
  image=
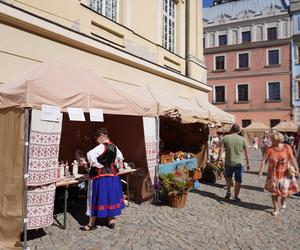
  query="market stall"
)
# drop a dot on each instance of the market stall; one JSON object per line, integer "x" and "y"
{"x": 285, "y": 127}
{"x": 23, "y": 130}
{"x": 74, "y": 96}
{"x": 255, "y": 129}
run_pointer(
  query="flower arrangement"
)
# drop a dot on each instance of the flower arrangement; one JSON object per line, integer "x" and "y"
{"x": 177, "y": 183}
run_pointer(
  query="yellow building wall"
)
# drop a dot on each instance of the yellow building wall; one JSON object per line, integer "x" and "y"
{"x": 20, "y": 58}
{"x": 140, "y": 32}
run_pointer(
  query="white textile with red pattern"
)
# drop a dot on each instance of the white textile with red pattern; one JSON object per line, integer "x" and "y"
{"x": 43, "y": 150}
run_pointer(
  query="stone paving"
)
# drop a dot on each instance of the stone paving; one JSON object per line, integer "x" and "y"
{"x": 206, "y": 222}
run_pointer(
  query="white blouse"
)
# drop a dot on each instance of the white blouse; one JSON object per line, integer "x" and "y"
{"x": 93, "y": 154}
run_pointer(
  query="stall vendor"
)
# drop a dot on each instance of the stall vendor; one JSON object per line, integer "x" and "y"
{"x": 105, "y": 196}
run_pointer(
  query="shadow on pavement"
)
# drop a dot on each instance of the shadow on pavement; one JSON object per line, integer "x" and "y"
{"x": 218, "y": 185}
{"x": 248, "y": 205}
{"x": 33, "y": 234}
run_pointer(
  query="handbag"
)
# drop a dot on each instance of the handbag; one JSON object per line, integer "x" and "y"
{"x": 291, "y": 171}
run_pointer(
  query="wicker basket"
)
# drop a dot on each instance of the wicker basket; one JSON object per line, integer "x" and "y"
{"x": 177, "y": 201}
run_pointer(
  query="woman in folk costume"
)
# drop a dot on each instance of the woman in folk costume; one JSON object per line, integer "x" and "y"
{"x": 280, "y": 181}
{"x": 105, "y": 196}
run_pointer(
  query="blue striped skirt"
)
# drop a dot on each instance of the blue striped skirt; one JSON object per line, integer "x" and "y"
{"x": 107, "y": 197}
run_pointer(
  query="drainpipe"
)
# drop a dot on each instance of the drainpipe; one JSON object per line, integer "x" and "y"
{"x": 187, "y": 36}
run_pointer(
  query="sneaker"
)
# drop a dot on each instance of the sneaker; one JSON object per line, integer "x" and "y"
{"x": 227, "y": 196}
{"x": 237, "y": 199}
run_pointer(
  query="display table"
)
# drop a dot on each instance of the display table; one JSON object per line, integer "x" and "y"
{"x": 172, "y": 166}
{"x": 65, "y": 183}
{"x": 127, "y": 172}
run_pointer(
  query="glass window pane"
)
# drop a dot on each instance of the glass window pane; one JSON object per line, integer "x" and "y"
{"x": 273, "y": 57}
{"x": 244, "y": 60}
{"x": 274, "y": 91}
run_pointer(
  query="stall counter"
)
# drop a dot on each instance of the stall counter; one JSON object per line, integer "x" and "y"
{"x": 171, "y": 167}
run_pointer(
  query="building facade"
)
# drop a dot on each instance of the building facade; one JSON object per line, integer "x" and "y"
{"x": 129, "y": 42}
{"x": 247, "y": 54}
{"x": 295, "y": 45}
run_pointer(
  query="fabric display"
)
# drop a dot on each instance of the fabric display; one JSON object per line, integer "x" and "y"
{"x": 40, "y": 206}
{"x": 43, "y": 150}
{"x": 42, "y": 169}
{"x": 151, "y": 145}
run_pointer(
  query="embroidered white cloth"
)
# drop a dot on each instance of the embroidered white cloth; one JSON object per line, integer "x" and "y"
{"x": 151, "y": 145}
{"x": 43, "y": 150}
{"x": 40, "y": 206}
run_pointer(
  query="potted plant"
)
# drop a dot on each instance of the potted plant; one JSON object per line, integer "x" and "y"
{"x": 174, "y": 188}
{"x": 213, "y": 170}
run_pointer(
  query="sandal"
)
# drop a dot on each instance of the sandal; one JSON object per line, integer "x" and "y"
{"x": 283, "y": 207}
{"x": 87, "y": 228}
{"x": 275, "y": 212}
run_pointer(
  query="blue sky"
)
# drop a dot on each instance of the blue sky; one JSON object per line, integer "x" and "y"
{"x": 207, "y": 3}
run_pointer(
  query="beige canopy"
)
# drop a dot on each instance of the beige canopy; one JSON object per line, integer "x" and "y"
{"x": 256, "y": 126}
{"x": 70, "y": 86}
{"x": 214, "y": 113}
{"x": 285, "y": 126}
{"x": 255, "y": 129}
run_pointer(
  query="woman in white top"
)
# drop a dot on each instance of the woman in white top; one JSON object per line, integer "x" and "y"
{"x": 105, "y": 195}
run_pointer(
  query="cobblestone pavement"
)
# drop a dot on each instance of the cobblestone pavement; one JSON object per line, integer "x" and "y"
{"x": 206, "y": 222}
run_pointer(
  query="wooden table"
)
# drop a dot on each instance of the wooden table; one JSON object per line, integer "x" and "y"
{"x": 65, "y": 184}
{"x": 127, "y": 172}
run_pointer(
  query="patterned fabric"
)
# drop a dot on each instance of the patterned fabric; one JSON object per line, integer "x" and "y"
{"x": 42, "y": 169}
{"x": 278, "y": 182}
{"x": 43, "y": 151}
{"x": 151, "y": 145}
{"x": 40, "y": 205}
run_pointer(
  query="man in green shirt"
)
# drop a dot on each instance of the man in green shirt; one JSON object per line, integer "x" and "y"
{"x": 235, "y": 148}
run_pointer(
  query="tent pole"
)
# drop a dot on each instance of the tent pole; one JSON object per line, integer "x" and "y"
{"x": 157, "y": 157}
{"x": 208, "y": 143}
{"x": 26, "y": 159}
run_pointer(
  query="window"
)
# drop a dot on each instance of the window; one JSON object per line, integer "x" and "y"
{"x": 169, "y": 25}
{"x": 219, "y": 93}
{"x": 298, "y": 90}
{"x": 242, "y": 93}
{"x": 273, "y": 57}
{"x": 297, "y": 24}
{"x": 272, "y": 33}
{"x": 219, "y": 62}
{"x": 298, "y": 55}
{"x": 273, "y": 91}
{"x": 274, "y": 122}
{"x": 243, "y": 60}
{"x": 246, "y": 37}
{"x": 222, "y": 40}
{"x": 106, "y": 8}
{"x": 246, "y": 123}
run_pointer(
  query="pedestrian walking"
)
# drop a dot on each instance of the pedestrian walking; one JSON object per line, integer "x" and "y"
{"x": 255, "y": 142}
{"x": 279, "y": 182}
{"x": 105, "y": 196}
{"x": 235, "y": 148}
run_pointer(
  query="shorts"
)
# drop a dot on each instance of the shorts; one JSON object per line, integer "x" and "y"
{"x": 237, "y": 170}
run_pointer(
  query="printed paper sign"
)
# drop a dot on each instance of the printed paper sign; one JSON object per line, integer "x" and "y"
{"x": 96, "y": 115}
{"x": 50, "y": 113}
{"x": 76, "y": 114}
